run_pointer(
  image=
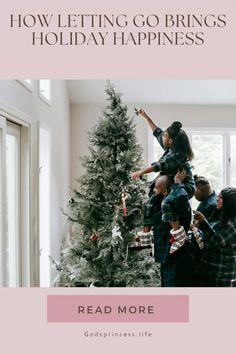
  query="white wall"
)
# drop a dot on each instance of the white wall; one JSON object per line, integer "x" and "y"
{"x": 84, "y": 116}
{"x": 28, "y": 106}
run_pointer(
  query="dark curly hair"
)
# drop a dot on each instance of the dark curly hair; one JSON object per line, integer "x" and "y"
{"x": 229, "y": 203}
{"x": 180, "y": 140}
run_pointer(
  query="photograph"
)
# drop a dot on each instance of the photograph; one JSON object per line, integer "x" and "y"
{"x": 117, "y": 183}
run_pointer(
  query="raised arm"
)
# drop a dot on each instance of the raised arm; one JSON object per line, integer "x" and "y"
{"x": 157, "y": 131}
{"x": 224, "y": 235}
{"x": 140, "y": 173}
{"x": 144, "y": 114}
{"x": 167, "y": 164}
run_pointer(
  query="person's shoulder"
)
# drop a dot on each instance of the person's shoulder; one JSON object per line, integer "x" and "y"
{"x": 232, "y": 221}
{"x": 228, "y": 227}
{"x": 210, "y": 202}
{"x": 179, "y": 188}
{"x": 177, "y": 156}
{"x": 201, "y": 207}
{"x": 156, "y": 132}
{"x": 213, "y": 195}
{"x": 180, "y": 157}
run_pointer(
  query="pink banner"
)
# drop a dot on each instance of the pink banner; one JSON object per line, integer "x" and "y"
{"x": 49, "y": 40}
{"x": 118, "y": 308}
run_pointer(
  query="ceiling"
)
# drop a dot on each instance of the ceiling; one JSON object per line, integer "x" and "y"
{"x": 156, "y": 91}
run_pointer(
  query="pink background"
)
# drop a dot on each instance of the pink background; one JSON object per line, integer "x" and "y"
{"x": 23, "y": 312}
{"x": 211, "y": 327}
{"x": 214, "y": 60}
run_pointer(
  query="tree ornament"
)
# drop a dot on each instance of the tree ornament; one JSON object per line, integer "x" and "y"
{"x": 137, "y": 240}
{"x": 123, "y": 203}
{"x": 93, "y": 237}
{"x": 71, "y": 201}
{"x": 116, "y": 233}
{"x": 136, "y": 111}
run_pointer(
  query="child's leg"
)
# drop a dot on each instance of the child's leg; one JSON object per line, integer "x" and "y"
{"x": 150, "y": 207}
{"x": 175, "y": 225}
{"x": 178, "y": 237}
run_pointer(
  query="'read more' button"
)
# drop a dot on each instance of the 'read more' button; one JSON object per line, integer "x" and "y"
{"x": 118, "y": 308}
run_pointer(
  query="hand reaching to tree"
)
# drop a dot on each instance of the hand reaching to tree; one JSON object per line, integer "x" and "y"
{"x": 142, "y": 112}
{"x": 136, "y": 175}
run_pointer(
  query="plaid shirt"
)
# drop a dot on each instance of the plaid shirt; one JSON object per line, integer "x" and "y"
{"x": 171, "y": 161}
{"x": 218, "y": 260}
{"x": 151, "y": 207}
{"x": 175, "y": 206}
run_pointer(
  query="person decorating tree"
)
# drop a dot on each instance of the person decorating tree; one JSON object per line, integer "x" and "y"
{"x": 177, "y": 154}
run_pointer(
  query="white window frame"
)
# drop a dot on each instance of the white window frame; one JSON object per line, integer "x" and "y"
{"x": 42, "y": 96}
{"x": 226, "y": 134}
{"x": 14, "y": 130}
{"x": 45, "y": 281}
{"x": 27, "y": 85}
{"x": 151, "y": 139}
{"x": 25, "y": 227}
{"x": 2, "y": 201}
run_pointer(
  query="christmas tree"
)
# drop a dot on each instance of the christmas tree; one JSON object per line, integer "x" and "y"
{"x": 105, "y": 210}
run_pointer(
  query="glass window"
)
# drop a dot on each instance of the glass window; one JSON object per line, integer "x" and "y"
{"x": 158, "y": 150}
{"x": 208, "y": 158}
{"x": 14, "y": 204}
